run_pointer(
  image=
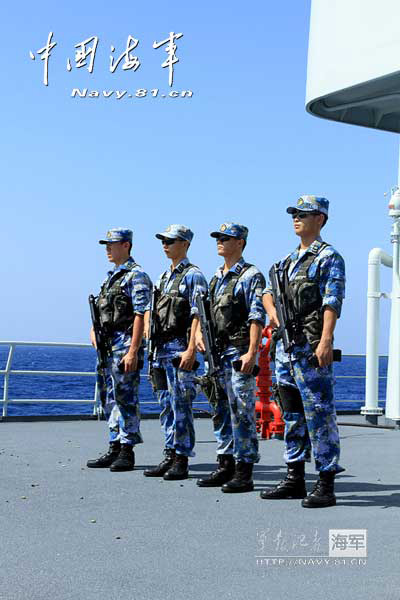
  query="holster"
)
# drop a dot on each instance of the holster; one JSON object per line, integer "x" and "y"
{"x": 290, "y": 399}
{"x": 159, "y": 379}
{"x": 212, "y": 389}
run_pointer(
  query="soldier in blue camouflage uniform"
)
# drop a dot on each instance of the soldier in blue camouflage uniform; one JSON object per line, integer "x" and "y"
{"x": 239, "y": 316}
{"x": 315, "y": 282}
{"x": 123, "y": 300}
{"x": 176, "y": 317}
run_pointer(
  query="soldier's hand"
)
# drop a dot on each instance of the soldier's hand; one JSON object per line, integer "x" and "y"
{"x": 324, "y": 353}
{"x": 248, "y": 362}
{"x": 199, "y": 341}
{"x": 129, "y": 362}
{"x": 273, "y": 319}
{"x": 187, "y": 360}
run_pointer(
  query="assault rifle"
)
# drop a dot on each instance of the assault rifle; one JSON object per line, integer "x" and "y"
{"x": 103, "y": 339}
{"x": 289, "y": 329}
{"x": 103, "y": 344}
{"x": 151, "y": 342}
{"x": 284, "y": 309}
{"x": 212, "y": 350}
{"x": 211, "y": 344}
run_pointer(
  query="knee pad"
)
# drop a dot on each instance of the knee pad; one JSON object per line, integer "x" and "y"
{"x": 290, "y": 399}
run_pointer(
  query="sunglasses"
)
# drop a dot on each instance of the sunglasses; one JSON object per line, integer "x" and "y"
{"x": 224, "y": 238}
{"x": 303, "y": 214}
{"x": 168, "y": 242}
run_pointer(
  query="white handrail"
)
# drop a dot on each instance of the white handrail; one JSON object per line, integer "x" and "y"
{"x": 9, "y": 371}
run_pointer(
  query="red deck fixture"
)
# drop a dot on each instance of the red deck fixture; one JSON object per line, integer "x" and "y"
{"x": 268, "y": 415}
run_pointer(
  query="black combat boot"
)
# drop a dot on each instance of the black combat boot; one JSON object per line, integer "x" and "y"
{"x": 242, "y": 480}
{"x": 223, "y": 474}
{"x": 293, "y": 486}
{"x": 107, "y": 459}
{"x": 125, "y": 460}
{"x": 322, "y": 494}
{"x": 164, "y": 465}
{"x": 179, "y": 469}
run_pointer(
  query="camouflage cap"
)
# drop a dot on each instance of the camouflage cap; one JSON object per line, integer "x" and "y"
{"x": 310, "y": 204}
{"x": 233, "y": 229}
{"x": 117, "y": 234}
{"x": 174, "y": 232}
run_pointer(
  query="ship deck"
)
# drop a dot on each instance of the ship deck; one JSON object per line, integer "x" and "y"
{"x": 68, "y": 532}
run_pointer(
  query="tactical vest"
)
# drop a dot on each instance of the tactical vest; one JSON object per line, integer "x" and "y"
{"x": 230, "y": 313}
{"x": 172, "y": 311}
{"x": 115, "y": 305}
{"x": 306, "y": 297}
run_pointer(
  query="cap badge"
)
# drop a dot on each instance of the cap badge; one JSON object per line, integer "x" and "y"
{"x": 223, "y": 227}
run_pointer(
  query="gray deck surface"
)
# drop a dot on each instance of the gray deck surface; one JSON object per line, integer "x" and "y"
{"x": 158, "y": 540}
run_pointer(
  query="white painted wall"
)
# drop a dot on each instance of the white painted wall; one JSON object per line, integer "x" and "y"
{"x": 351, "y": 41}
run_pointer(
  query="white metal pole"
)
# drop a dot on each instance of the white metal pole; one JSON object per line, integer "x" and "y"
{"x": 392, "y": 410}
{"x": 6, "y": 379}
{"x": 393, "y": 381}
{"x": 371, "y": 409}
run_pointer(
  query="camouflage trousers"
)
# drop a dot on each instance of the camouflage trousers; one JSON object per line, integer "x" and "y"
{"x": 166, "y": 417}
{"x": 120, "y": 401}
{"x": 176, "y": 416}
{"x": 233, "y": 414}
{"x": 316, "y": 429}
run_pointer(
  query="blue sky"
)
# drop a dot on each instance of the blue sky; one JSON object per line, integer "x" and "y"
{"x": 241, "y": 148}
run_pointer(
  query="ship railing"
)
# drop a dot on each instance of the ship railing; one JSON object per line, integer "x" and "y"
{"x": 95, "y": 401}
{"x": 10, "y": 371}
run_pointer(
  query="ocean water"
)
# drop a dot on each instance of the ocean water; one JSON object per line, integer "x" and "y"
{"x": 349, "y": 388}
